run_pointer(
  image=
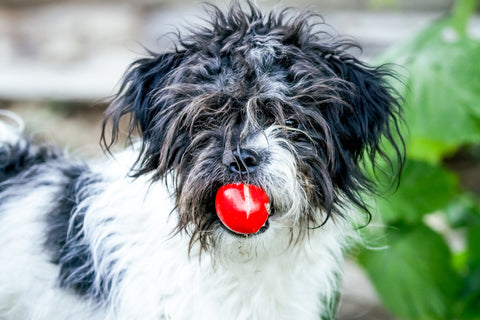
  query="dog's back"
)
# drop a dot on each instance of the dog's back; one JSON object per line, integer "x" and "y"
{"x": 18, "y": 154}
{"x": 33, "y": 222}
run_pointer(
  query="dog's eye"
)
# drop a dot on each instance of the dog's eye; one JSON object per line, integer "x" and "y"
{"x": 292, "y": 123}
{"x": 293, "y": 129}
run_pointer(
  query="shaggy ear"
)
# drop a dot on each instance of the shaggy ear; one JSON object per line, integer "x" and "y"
{"x": 142, "y": 81}
{"x": 366, "y": 124}
{"x": 371, "y": 112}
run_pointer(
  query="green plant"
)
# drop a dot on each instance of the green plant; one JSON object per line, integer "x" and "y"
{"x": 421, "y": 274}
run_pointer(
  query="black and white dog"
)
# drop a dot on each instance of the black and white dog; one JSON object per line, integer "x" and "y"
{"x": 268, "y": 100}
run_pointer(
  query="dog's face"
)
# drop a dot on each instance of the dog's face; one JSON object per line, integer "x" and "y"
{"x": 266, "y": 101}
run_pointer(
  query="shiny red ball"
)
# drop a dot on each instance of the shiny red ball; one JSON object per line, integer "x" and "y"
{"x": 242, "y": 208}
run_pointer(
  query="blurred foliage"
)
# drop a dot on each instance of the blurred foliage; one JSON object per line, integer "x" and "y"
{"x": 421, "y": 274}
{"x": 381, "y": 4}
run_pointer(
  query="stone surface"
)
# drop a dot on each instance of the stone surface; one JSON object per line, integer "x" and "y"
{"x": 76, "y": 50}
{"x": 359, "y": 299}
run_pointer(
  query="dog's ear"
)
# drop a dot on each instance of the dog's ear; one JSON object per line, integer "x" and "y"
{"x": 137, "y": 103}
{"x": 371, "y": 110}
{"x": 143, "y": 80}
{"x": 365, "y": 124}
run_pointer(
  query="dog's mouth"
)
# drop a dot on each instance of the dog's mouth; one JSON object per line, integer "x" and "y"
{"x": 243, "y": 209}
{"x": 262, "y": 230}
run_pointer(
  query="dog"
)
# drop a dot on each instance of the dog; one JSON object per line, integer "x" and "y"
{"x": 269, "y": 100}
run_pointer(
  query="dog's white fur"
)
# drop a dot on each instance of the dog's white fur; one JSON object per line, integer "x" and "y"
{"x": 152, "y": 274}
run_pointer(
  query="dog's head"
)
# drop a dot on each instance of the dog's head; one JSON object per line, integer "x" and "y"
{"x": 266, "y": 100}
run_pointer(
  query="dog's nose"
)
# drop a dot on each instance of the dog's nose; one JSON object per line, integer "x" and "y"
{"x": 242, "y": 161}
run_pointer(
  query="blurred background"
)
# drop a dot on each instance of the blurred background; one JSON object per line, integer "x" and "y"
{"x": 60, "y": 61}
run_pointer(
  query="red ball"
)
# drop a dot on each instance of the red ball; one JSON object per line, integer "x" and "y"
{"x": 242, "y": 208}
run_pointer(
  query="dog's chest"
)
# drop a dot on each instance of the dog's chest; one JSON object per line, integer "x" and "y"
{"x": 158, "y": 280}
{"x": 271, "y": 291}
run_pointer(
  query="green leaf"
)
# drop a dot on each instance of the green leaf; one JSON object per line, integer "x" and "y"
{"x": 473, "y": 241}
{"x": 430, "y": 150}
{"x": 424, "y": 188}
{"x": 462, "y": 12}
{"x": 471, "y": 290}
{"x": 442, "y": 92}
{"x": 413, "y": 276}
{"x": 463, "y": 211}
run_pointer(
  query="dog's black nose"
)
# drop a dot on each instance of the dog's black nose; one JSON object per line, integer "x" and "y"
{"x": 242, "y": 161}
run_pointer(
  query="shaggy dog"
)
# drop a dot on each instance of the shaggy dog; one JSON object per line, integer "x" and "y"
{"x": 266, "y": 100}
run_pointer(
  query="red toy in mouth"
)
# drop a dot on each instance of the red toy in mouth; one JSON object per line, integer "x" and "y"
{"x": 242, "y": 208}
